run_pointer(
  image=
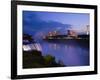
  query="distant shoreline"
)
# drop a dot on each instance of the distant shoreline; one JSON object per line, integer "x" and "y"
{"x": 66, "y": 37}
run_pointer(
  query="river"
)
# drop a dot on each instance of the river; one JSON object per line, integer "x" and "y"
{"x": 70, "y": 52}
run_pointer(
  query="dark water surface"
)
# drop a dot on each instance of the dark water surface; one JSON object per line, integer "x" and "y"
{"x": 70, "y": 52}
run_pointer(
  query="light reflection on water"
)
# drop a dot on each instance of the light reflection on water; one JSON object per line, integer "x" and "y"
{"x": 70, "y": 53}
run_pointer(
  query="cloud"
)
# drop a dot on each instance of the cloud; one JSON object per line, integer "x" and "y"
{"x": 33, "y": 25}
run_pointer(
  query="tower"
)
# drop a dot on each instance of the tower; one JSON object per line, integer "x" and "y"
{"x": 87, "y": 29}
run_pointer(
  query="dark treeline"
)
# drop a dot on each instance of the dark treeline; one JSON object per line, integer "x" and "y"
{"x": 34, "y": 59}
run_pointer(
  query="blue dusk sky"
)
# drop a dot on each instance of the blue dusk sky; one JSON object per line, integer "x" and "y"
{"x": 40, "y": 23}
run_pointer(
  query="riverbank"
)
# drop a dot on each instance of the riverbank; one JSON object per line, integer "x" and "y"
{"x": 34, "y": 59}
